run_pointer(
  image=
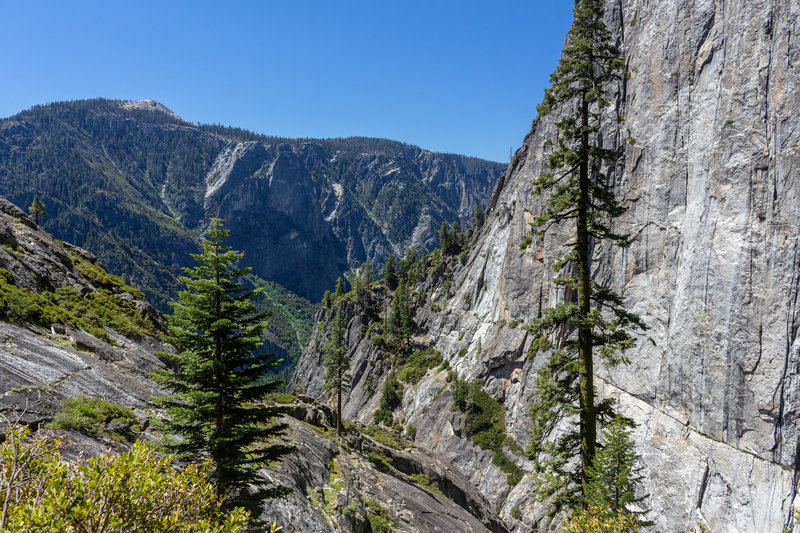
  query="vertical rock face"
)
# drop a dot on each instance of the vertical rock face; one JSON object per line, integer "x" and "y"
{"x": 710, "y": 159}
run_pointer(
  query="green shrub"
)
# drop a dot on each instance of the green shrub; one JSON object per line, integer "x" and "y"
{"x": 485, "y": 421}
{"x": 93, "y": 416}
{"x": 134, "y": 492}
{"x": 391, "y": 398}
{"x": 516, "y": 513}
{"x": 418, "y": 364}
{"x": 68, "y": 306}
{"x": 599, "y": 520}
{"x": 379, "y": 519}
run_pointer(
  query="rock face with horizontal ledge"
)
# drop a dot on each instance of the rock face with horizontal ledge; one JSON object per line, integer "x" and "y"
{"x": 706, "y": 120}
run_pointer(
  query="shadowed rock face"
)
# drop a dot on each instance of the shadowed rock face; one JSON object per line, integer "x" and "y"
{"x": 136, "y": 184}
{"x": 709, "y": 167}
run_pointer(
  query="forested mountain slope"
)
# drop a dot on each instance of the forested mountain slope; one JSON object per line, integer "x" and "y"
{"x": 136, "y": 184}
{"x": 706, "y": 124}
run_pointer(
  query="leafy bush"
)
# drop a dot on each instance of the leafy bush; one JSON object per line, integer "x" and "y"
{"x": 601, "y": 520}
{"x": 135, "y": 492}
{"x": 418, "y": 364}
{"x": 94, "y": 416}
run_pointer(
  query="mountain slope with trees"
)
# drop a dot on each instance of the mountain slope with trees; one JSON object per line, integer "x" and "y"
{"x": 136, "y": 184}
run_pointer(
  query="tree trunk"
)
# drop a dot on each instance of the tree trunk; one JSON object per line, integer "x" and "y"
{"x": 588, "y": 423}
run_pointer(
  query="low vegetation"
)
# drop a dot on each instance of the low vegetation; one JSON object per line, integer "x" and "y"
{"x": 134, "y": 492}
{"x": 67, "y": 305}
{"x": 94, "y": 416}
{"x": 418, "y": 364}
{"x": 484, "y": 421}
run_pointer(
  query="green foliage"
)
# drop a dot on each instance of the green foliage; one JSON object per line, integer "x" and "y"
{"x": 381, "y": 461}
{"x": 601, "y": 520}
{"x": 37, "y": 210}
{"x": 516, "y": 513}
{"x": 580, "y": 192}
{"x": 514, "y": 474}
{"x": 337, "y": 364}
{"x": 135, "y": 492}
{"x": 485, "y": 421}
{"x": 400, "y": 323}
{"x": 379, "y": 519}
{"x": 214, "y": 378}
{"x": 391, "y": 398}
{"x": 339, "y": 292}
{"x": 390, "y": 272}
{"x": 95, "y": 416}
{"x": 291, "y": 320}
{"x": 387, "y": 437}
{"x": 418, "y": 364}
{"x": 68, "y": 306}
{"x": 424, "y": 480}
{"x": 101, "y": 278}
{"x": 614, "y": 475}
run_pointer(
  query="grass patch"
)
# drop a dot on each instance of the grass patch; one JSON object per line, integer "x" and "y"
{"x": 387, "y": 437}
{"x": 93, "y": 416}
{"x": 418, "y": 364}
{"x": 381, "y": 461}
{"x": 68, "y": 306}
{"x": 424, "y": 480}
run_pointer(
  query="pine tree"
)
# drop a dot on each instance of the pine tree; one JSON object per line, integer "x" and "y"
{"x": 390, "y": 272}
{"x": 477, "y": 219}
{"x": 339, "y": 292}
{"x": 215, "y": 378}
{"x": 615, "y": 473}
{"x": 580, "y": 194}
{"x": 37, "y": 210}
{"x": 401, "y": 321}
{"x": 366, "y": 273}
{"x": 337, "y": 363}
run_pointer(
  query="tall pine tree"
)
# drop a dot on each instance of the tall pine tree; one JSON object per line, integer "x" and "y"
{"x": 215, "y": 379}
{"x": 580, "y": 195}
{"x": 337, "y": 364}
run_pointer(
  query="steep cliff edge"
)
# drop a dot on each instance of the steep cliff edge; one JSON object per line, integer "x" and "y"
{"x": 709, "y": 168}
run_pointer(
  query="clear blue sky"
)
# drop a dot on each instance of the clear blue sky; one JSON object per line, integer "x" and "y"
{"x": 457, "y": 76}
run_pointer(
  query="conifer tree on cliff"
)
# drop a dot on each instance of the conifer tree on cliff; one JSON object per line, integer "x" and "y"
{"x": 216, "y": 378}
{"x": 337, "y": 364}
{"x": 580, "y": 199}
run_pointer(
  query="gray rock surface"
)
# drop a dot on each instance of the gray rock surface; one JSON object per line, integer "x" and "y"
{"x": 710, "y": 171}
{"x": 335, "y": 486}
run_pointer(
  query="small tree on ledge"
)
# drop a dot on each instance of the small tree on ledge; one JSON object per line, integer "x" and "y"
{"x": 37, "y": 210}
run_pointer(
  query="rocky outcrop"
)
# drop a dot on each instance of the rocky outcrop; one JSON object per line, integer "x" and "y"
{"x": 709, "y": 142}
{"x": 45, "y": 363}
{"x": 338, "y": 484}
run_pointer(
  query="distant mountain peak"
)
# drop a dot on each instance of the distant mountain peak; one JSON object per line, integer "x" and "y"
{"x": 150, "y": 105}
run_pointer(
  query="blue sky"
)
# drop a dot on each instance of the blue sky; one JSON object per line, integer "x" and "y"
{"x": 450, "y": 76}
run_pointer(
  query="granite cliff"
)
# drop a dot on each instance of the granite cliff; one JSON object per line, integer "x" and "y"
{"x": 706, "y": 124}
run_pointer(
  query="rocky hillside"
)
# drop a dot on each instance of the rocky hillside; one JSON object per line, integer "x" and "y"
{"x": 136, "y": 184}
{"x": 68, "y": 327}
{"x": 707, "y": 127}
